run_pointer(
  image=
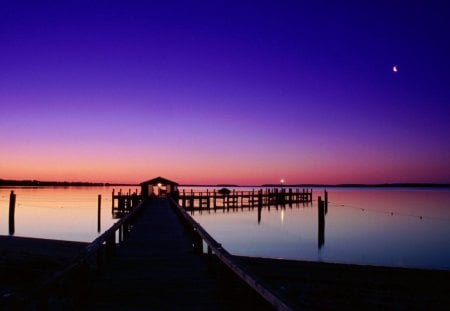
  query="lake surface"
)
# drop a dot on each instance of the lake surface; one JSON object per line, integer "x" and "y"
{"x": 407, "y": 227}
{"x": 63, "y": 213}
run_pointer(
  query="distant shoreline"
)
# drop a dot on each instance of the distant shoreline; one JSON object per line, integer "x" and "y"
{"x": 385, "y": 185}
{"x": 38, "y": 183}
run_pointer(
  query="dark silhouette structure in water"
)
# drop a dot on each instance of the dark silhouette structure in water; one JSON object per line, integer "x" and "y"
{"x": 321, "y": 222}
{"x": 159, "y": 187}
{"x": 12, "y": 207}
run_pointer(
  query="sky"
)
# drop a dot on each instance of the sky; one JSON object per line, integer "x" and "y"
{"x": 244, "y": 92}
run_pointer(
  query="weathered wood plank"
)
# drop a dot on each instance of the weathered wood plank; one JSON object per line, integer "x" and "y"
{"x": 156, "y": 268}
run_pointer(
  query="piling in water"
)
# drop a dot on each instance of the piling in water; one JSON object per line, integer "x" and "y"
{"x": 12, "y": 207}
{"x": 321, "y": 222}
{"x": 99, "y": 213}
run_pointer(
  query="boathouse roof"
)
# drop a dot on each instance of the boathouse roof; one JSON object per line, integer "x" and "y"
{"x": 158, "y": 180}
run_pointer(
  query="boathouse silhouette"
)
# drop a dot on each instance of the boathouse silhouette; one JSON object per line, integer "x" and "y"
{"x": 159, "y": 187}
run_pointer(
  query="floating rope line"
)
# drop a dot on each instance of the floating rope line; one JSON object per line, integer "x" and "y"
{"x": 363, "y": 209}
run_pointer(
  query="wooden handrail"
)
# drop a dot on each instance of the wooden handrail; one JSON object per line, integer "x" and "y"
{"x": 226, "y": 258}
{"x": 98, "y": 243}
{"x": 40, "y": 295}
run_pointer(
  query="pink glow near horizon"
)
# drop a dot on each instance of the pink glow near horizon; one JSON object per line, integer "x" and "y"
{"x": 248, "y": 96}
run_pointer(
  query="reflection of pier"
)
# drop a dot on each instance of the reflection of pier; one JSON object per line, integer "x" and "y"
{"x": 201, "y": 200}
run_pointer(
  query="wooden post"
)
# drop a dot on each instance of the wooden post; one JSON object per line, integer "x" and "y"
{"x": 126, "y": 230}
{"x": 326, "y": 202}
{"x": 112, "y": 200}
{"x": 99, "y": 213}
{"x": 233, "y": 197}
{"x": 120, "y": 237}
{"x": 198, "y": 242}
{"x": 111, "y": 244}
{"x": 321, "y": 222}
{"x": 12, "y": 208}
{"x": 260, "y": 198}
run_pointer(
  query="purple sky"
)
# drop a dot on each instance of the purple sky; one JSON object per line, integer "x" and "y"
{"x": 225, "y": 91}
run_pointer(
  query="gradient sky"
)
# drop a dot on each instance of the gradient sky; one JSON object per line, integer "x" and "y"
{"x": 246, "y": 92}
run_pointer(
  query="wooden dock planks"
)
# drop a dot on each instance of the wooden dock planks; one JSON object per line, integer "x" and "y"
{"x": 158, "y": 269}
{"x": 191, "y": 200}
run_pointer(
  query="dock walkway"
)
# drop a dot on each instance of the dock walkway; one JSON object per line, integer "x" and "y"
{"x": 157, "y": 268}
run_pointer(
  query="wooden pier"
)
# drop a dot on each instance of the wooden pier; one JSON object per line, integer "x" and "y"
{"x": 157, "y": 268}
{"x": 151, "y": 259}
{"x": 226, "y": 199}
{"x": 123, "y": 203}
{"x": 157, "y": 257}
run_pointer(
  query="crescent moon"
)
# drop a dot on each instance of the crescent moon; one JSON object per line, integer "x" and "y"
{"x": 395, "y": 69}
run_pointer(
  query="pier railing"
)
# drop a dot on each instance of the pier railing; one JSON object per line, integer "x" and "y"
{"x": 123, "y": 203}
{"x": 200, "y": 235}
{"x": 93, "y": 256}
{"x": 217, "y": 199}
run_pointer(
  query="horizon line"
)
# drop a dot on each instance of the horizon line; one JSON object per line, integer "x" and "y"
{"x": 33, "y": 182}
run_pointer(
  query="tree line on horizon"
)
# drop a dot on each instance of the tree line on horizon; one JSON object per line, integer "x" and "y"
{"x": 38, "y": 183}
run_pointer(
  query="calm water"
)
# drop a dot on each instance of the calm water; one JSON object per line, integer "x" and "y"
{"x": 64, "y": 213}
{"x": 393, "y": 227}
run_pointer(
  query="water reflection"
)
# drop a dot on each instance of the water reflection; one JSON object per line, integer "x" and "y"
{"x": 393, "y": 227}
{"x": 63, "y": 213}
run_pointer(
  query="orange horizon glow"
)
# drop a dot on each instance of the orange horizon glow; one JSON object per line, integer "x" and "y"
{"x": 243, "y": 176}
{"x": 295, "y": 92}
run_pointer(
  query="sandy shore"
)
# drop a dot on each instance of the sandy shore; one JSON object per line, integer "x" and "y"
{"x": 324, "y": 286}
{"x": 304, "y": 285}
{"x": 25, "y": 262}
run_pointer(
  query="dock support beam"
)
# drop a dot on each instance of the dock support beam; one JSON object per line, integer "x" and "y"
{"x": 12, "y": 207}
{"x": 99, "y": 213}
{"x": 321, "y": 222}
